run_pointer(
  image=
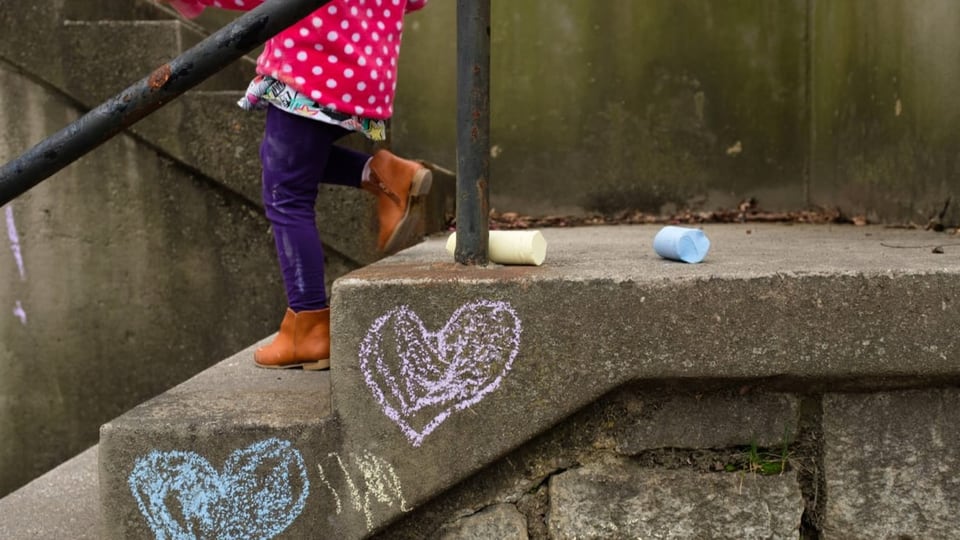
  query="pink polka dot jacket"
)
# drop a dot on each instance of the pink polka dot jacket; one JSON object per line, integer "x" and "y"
{"x": 344, "y": 56}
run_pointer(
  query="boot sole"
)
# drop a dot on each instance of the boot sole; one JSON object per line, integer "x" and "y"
{"x": 407, "y": 228}
{"x": 307, "y": 366}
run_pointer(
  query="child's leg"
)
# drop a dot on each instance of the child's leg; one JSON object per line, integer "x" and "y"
{"x": 394, "y": 181}
{"x": 295, "y": 153}
{"x": 345, "y": 167}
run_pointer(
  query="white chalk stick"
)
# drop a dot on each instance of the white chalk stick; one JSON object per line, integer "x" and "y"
{"x": 511, "y": 247}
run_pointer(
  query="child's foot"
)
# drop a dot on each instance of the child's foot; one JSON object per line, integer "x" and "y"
{"x": 396, "y": 182}
{"x": 303, "y": 341}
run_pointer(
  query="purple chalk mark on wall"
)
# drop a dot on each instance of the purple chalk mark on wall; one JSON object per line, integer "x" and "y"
{"x": 260, "y": 491}
{"x": 420, "y": 378}
{"x": 19, "y": 313}
{"x": 15, "y": 242}
{"x": 18, "y": 310}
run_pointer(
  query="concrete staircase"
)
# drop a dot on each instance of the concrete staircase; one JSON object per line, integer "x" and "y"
{"x": 455, "y": 390}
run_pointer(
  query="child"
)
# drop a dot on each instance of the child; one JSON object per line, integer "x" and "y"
{"x": 330, "y": 74}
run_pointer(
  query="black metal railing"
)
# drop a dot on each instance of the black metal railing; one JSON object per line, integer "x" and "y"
{"x": 152, "y": 92}
{"x": 473, "y": 131}
{"x": 239, "y": 38}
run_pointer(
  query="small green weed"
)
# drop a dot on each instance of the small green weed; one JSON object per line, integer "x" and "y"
{"x": 759, "y": 461}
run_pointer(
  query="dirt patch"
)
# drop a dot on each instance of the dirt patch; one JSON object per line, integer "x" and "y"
{"x": 748, "y": 211}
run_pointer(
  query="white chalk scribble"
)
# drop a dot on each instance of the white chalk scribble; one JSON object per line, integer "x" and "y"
{"x": 377, "y": 483}
{"x": 19, "y": 313}
{"x": 18, "y": 310}
{"x": 420, "y": 378}
{"x": 260, "y": 491}
{"x": 15, "y": 242}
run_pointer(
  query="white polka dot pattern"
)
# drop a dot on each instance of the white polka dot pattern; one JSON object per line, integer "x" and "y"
{"x": 341, "y": 45}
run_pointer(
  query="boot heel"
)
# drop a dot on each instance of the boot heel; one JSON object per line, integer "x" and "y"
{"x": 422, "y": 180}
{"x": 317, "y": 366}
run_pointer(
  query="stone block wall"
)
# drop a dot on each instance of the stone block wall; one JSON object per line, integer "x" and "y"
{"x": 891, "y": 465}
{"x": 724, "y": 462}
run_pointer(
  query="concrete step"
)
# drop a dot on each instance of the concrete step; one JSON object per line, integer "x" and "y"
{"x": 63, "y": 503}
{"x": 439, "y": 370}
{"x": 145, "y": 10}
{"x": 213, "y": 434}
{"x": 102, "y": 70}
{"x": 117, "y": 10}
{"x": 455, "y": 366}
{"x": 83, "y": 58}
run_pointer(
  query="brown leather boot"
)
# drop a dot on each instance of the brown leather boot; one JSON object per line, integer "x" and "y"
{"x": 396, "y": 182}
{"x": 303, "y": 341}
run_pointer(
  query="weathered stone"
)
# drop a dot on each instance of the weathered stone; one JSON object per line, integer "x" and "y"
{"x": 892, "y": 465}
{"x": 503, "y": 522}
{"x": 712, "y": 420}
{"x": 620, "y": 500}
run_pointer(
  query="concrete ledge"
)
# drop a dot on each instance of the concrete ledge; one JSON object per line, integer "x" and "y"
{"x": 60, "y": 504}
{"x": 795, "y": 305}
{"x": 232, "y": 414}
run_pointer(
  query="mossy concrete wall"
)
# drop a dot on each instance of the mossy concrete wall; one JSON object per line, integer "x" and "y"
{"x": 120, "y": 277}
{"x": 624, "y": 104}
{"x": 621, "y": 104}
{"x": 886, "y": 104}
{"x": 657, "y": 104}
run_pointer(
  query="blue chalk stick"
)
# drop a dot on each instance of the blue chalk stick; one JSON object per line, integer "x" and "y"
{"x": 681, "y": 244}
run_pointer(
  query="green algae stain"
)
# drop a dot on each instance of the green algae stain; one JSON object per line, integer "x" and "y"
{"x": 621, "y": 100}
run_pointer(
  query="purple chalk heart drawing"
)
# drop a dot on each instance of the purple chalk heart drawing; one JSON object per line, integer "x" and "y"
{"x": 420, "y": 377}
{"x": 259, "y": 492}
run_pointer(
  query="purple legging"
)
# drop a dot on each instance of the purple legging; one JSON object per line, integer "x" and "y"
{"x": 297, "y": 155}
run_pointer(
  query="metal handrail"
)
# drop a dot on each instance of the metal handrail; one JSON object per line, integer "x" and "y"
{"x": 168, "y": 81}
{"x": 473, "y": 131}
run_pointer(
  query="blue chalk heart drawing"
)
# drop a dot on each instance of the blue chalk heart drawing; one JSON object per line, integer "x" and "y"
{"x": 261, "y": 490}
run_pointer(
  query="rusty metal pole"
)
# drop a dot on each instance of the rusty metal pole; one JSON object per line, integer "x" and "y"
{"x": 473, "y": 131}
{"x": 165, "y": 83}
